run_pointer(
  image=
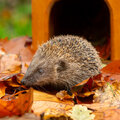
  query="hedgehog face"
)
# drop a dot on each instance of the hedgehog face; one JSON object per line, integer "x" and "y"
{"x": 59, "y": 73}
{"x": 46, "y": 72}
{"x": 40, "y": 72}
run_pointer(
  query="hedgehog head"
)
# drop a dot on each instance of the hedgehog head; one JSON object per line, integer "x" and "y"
{"x": 45, "y": 71}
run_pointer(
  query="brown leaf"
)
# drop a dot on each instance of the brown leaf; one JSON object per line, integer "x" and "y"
{"x": 87, "y": 87}
{"x": 104, "y": 50}
{"x": 56, "y": 114}
{"x": 2, "y": 51}
{"x": 3, "y": 41}
{"x": 16, "y": 104}
{"x": 111, "y": 72}
{"x": 99, "y": 106}
{"x": 20, "y": 47}
{"x": 109, "y": 94}
{"x": 10, "y": 64}
{"x": 26, "y": 116}
{"x": 113, "y": 114}
{"x": 63, "y": 95}
{"x": 15, "y": 99}
{"x": 2, "y": 89}
{"x": 108, "y": 114}
{"x": 24, "y": 66}
{"x": 43, "y": 101}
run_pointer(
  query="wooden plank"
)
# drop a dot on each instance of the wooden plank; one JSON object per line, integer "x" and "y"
{"x": 114, "y": 7}
{"x": 40, "y": 21}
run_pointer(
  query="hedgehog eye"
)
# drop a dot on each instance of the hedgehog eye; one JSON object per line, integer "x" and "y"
{"x": 61, "y": 66}
{"x": 41, "y": 71}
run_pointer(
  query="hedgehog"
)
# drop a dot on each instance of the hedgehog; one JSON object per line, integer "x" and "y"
{"x": 62, "y": 62}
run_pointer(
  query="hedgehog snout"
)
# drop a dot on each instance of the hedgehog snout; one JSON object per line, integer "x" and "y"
{"x": 26, "y": 82}
{"x": 22, "y": 82}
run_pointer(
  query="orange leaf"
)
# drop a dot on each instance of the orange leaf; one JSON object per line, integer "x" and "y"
{"x": 43, "y": 101}
{"x": 13, "y": 101}
{"x": 10, "y": 63}
{"x": 16, "y": 104}
{"x": 111, "y": 72}
{"x": 2, "y": 89}
{"x": 63, "y": 95}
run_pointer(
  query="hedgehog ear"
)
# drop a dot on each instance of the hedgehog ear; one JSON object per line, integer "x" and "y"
{"x": 61, "y": 66}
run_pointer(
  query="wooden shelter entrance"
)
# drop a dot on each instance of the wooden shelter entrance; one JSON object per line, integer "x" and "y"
{"x": 96, "y": 19}
{"x": 87, "y": 18}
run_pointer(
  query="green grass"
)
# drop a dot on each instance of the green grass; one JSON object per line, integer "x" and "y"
{"x": 15, "y": 22}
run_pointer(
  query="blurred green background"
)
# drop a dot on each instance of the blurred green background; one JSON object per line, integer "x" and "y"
{"x": 15, "y": 18}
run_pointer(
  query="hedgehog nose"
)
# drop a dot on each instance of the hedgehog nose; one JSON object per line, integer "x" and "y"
{"x": 22, "y": 82}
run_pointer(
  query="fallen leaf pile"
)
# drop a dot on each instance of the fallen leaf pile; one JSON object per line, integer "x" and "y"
{"x": 97, "y": 98}
{"x": 110, "y": 93}
{"x": 15, "y": 99}
{"x": 78, "y": 112}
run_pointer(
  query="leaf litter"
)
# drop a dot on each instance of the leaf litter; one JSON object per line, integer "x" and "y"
{"x": 101, "y": 92}
{"x": 15, "y": 99}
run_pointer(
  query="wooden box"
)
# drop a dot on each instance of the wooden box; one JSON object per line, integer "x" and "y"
{"x": 42, "y": 27}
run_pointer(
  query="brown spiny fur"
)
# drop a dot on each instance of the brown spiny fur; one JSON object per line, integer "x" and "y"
{"x": 63, "y": 61}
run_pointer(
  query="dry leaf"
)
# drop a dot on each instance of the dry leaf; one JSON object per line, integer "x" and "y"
{"x": 104, "y": 50}
{"x": 2, "y": 89}
{"x": 14, "y": 100}
{"x": 44, "y": 101}
{"x": 113, "y": 114}
{"x": 2, "y": 51}
{"x": 108, "y": 114}
{"x": 20, "y": 47}
{"x": 87, "y": 87}
{"x": 16, "y": 104}
{"x": 108, "y": 94}
{"x": 48, "y": 97}
{"x": 111, "y": 72}
{"x": 56, "y": 114}
{"x": 63, "y": 95}
{"x": 26, "y": 116}
{"x": 10, "y": 63}
{"x": 3, "y": 41}
{"x": 79, "y": 88}
{"x": 25, "y": 66}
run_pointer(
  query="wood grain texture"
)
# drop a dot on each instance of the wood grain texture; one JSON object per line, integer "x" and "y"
{"x": 40, "y": 21}
{"x": 114, "y": 7}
